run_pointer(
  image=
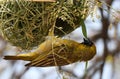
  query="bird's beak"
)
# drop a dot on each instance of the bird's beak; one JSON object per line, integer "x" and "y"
{"x": 86, "y": 40}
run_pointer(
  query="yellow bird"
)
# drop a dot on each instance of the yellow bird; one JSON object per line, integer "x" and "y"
{"x": 58, "y": 52}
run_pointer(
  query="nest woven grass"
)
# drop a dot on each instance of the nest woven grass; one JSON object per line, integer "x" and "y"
{"x": 25, "y": 24}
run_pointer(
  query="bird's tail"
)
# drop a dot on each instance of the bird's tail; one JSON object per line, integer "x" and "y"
{"x": 17, "y": 58}
{"x": 26, "y": 56}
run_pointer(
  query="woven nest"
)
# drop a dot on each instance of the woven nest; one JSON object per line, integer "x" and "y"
{"x": 25, "y": 24}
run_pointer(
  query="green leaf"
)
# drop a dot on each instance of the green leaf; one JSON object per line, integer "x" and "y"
{"x": 84, "y": 31}
{"x": 86, "y": 64}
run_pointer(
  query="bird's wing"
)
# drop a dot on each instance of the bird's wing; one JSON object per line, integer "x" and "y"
{"x": 56, "y": 57}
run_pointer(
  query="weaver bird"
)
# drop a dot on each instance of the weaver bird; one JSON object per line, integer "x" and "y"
{"x": 58, "y": 52}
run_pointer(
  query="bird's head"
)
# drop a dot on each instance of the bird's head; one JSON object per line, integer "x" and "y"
{"x": 87, "y": 42}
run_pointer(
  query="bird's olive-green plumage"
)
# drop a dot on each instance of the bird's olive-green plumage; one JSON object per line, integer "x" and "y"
{"x": 58, "y": 52}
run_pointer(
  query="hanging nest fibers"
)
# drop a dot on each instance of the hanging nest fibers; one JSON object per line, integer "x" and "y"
{"x": 25, "y": 24}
